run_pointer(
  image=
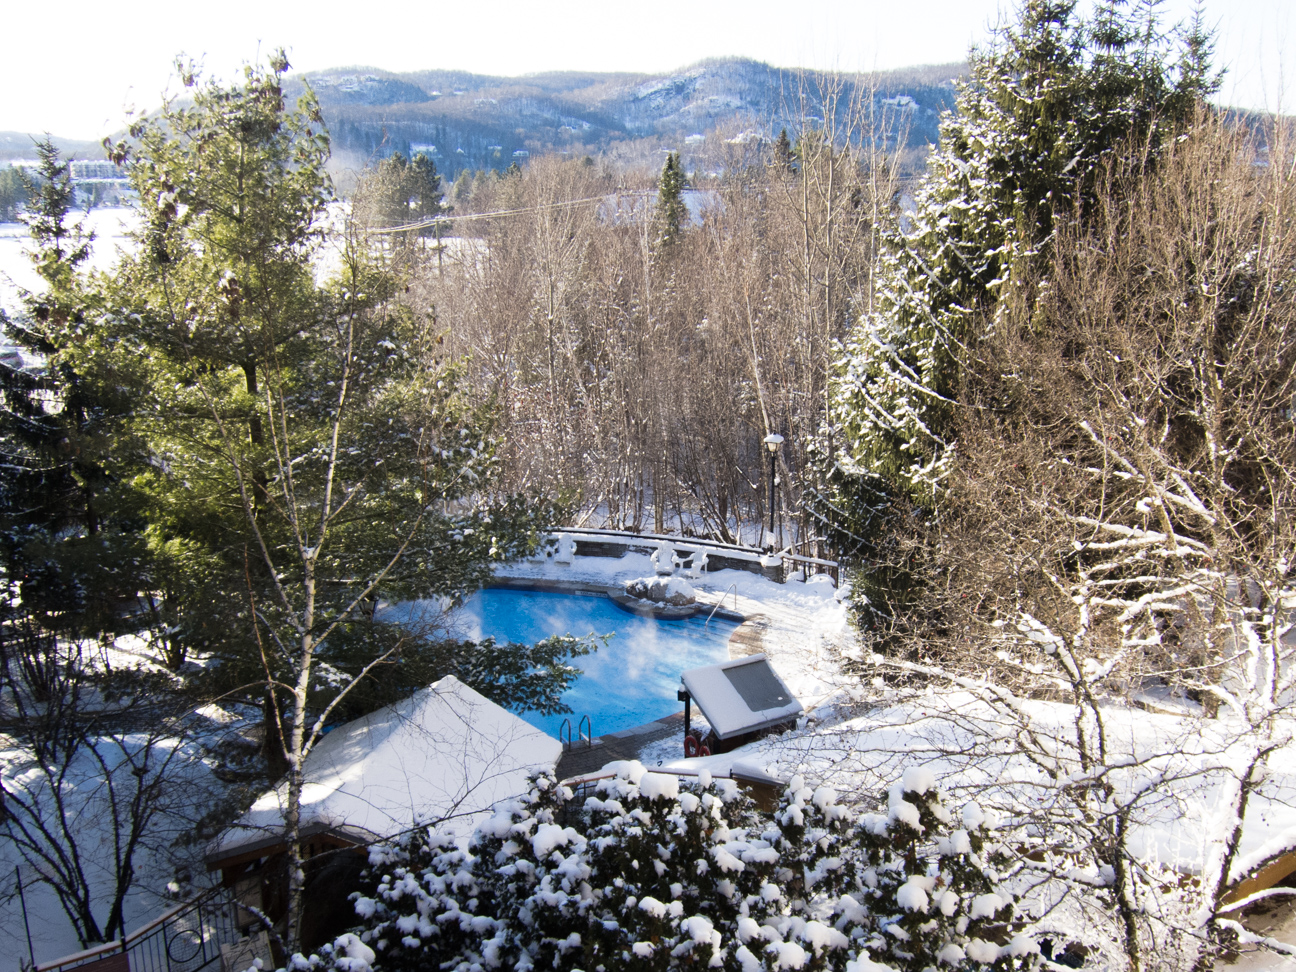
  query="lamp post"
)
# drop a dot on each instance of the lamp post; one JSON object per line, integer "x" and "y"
{"x": 772, "y": 443}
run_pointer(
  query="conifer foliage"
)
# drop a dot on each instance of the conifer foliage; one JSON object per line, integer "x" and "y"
{"x": 648, "y": 874}
{"x": 1052, "y": 96}
{"x": 66, "y": 556}
{"x": 672, "y": 213}
{"x": 400, "y": 191}
{"x": 304, "y": 448}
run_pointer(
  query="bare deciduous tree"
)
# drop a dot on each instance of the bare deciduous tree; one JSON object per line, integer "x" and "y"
{"x": 1118, "y": 528}
{"x": 638, "y": 376}
{"x": 92, "y": 778}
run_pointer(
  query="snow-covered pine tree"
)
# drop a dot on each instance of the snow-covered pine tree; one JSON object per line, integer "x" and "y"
{"x": 1045, "y": 102}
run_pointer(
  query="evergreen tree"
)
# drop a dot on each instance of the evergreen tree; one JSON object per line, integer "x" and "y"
{"x": 399, "y": 192}
{"x": 462, "y": 190}
{"x": 425, "y": 195}
{"x": 13, "y": 193}
{"x": 307, "y": 450}
{"x": 655, "y": 875}
{"x": 1048, "y": 100}
{"x": 672, "y": 214}
{"x": 65, "y": 553}
{"x": 784, "y": 157}
{"x": 76, "y": 572}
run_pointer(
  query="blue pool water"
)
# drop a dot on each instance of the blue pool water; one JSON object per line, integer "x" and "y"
{"x": 631, "y": 680}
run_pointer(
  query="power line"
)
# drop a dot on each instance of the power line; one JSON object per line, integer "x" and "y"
{"x": 433, "y": 220}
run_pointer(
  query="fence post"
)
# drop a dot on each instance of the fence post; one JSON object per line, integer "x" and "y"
{"x": 22, "y": 899}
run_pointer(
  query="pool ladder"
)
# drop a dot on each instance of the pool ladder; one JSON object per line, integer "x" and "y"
{"x": 732, "y": 587}
{"x": 584, "y": 733}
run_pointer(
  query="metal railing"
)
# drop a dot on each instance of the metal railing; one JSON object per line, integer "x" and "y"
{"x": 734, "y": 589}
{"x": 584, "y": 733}
{"x": 813, "y": 565}
{"x": 789, "y": 559}
{"x": 654, "y": 537}
{"x": 188, "y": 938}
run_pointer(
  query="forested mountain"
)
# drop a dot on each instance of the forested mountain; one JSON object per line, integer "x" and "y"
{"x": 473, "y": 121}
{"x": 22, "y": 145}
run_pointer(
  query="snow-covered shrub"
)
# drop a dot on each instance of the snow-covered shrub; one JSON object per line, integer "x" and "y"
{"x": 662, "y": 590}
{"x": 652, "y": 873}
{"x": 815, "y": 841}
{"x": 925, "y": 886}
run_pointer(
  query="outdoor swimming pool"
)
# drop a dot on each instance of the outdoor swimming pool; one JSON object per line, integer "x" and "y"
{"x": 631, "y": 680}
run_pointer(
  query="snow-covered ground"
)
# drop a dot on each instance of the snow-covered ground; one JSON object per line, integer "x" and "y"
{"x": 807, "y": 627}
{"x": 860, "y": 735}
{"x": 168, "y": 852}
{"x": 1174, "y": 766}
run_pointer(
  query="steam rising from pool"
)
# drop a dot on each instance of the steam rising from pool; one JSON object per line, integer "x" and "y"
{"x": 630, "y": 681}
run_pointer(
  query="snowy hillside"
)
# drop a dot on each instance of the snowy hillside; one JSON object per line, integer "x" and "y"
{"x": 476, "y": 121}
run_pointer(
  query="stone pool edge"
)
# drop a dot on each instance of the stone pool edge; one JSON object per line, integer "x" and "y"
{"x": 616, "y": 594}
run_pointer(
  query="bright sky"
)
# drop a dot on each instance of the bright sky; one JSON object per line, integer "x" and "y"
{"x": 74, "y": 68}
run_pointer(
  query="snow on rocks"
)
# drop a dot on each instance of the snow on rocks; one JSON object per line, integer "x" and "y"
{"x": 675, "y": 591}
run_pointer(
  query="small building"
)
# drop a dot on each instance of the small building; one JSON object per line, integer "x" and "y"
{"x": 742, "y": 700}
{"x": 442, "y": 757}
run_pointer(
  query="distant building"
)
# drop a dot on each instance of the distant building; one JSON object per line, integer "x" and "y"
{"x": 97, "y": 182}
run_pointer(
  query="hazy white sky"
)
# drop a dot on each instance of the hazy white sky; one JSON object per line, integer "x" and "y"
{"x": 74, "y": 67}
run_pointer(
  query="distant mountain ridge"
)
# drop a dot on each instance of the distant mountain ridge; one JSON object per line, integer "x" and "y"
{"x": 21, "y": 145}
{"x": 476, "y": 121}
{"x": 473, "y": 121}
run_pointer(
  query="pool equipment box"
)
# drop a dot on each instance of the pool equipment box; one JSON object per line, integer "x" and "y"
{"x": 741, "y": 699}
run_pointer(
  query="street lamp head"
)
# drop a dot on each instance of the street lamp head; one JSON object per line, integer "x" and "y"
{"x": 773, "y": 441}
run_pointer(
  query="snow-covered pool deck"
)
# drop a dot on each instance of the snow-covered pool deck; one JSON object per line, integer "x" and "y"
{"x": 801, "y": 626}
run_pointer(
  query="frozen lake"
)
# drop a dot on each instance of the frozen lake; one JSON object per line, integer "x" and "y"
{"x": 111, "y": 227}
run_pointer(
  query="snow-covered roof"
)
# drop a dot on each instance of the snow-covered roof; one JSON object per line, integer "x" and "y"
{"x": 445, "y": 755}
{"x": 741, "y": 695}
